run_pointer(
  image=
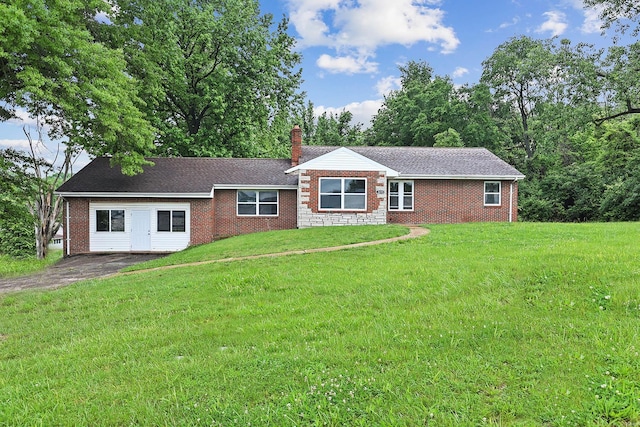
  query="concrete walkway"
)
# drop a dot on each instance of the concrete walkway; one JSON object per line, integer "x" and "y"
{"x": 83, "y": 267}
{"x": 414, "y": 231}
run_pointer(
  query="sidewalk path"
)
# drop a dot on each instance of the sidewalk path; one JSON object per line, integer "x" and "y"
{"x": 414, "y": 231}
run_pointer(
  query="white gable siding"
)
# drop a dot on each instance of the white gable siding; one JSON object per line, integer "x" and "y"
{"x": 101, "y": 241}
{"x": 344, "y": 159}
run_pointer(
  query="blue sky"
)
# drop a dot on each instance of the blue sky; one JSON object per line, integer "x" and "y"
{"x": 352, "y": 48}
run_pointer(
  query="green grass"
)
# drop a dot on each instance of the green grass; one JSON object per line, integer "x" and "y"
{"x": 11, "y": 267}
{"x": 276, "y": 241}
{"x": 474, "y": 324}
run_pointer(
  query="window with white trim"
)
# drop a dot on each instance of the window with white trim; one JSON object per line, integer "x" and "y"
{"x": 343, "y": 194}
{"x": 257, "y": 202}
{"x": 400, "y": 195}
{"x": 492, "y": 190}
{"x": 173, "y": 221}
{"x": 110, "y": 220}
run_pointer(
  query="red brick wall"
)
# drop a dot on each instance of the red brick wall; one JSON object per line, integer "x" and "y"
{"x": 228, "y": 223}
{"x": 373, "y": 202}
{"x": 77, "y": 227}
{"x": 436, "y": 201}
{"x": 455, "y": 201}
{"x": 202, "y": 221}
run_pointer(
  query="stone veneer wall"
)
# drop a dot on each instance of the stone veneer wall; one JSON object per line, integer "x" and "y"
{"x": 309, "y": 214}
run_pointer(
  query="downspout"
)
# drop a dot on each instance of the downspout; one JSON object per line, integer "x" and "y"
{"x": 67, "y": 230}
{"x": 511, "y": 201}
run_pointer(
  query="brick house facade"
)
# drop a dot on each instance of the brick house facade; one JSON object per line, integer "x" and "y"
{"x": 179, "y": 202}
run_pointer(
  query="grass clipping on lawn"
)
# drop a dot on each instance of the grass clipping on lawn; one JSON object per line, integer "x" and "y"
{"x": 496, "y": 324}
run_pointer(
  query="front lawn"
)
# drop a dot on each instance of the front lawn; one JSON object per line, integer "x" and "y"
{"x": 473, "y": 324}
{"x": 11, "y": 267}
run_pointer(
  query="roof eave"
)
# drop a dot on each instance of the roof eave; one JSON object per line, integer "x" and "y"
{"x": 464, "y": 177}
{"x": 254, "y": 187}
{"x": 123, "y": 195}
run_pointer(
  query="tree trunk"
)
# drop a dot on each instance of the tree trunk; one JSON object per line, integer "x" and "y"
{"x": 45, "y": 206}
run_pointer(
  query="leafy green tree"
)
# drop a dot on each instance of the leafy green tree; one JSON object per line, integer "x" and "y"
{"x": 424, "y": 106}
{"x": 336, "y": 129}
{"x": 308, "y": 122}
{"x": 448, "y": 138}
{"x": 622, "y": 13}
{"x": 620, "y": 70}
{"x": 604, "y": 84}
{"x": 519, "y": 73}
{"x": 481, "y": 119}
{"x": 619, "y": 161}
{"x": 30, "y": 212}
{"x": 621, "y": 200}
{"x": 16, "y": 188}
{"x": 215, "y": 74}
{"x": 51, "y": 66}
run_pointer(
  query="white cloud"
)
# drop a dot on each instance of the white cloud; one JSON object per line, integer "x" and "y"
{"x": 17, "y": 144}
{"x": 23, "y": 118}
{"x": 362, "y": 112}
{"x": 459, "y": 72}
{"x": 511, "y": 23}
{"x": 346, "y": 64}
{"x": 504, "y": 25}
{"x": 387, "y": 84}
{"x": 358, "y": 28}
{"x": 555, "y": 24}
{"x": 592, "y": 22}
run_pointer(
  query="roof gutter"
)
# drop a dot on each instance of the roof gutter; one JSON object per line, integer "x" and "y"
{"x": 253, "y": 187}
{"x": 123, "y": 195}
{"x": 466, "y": 177}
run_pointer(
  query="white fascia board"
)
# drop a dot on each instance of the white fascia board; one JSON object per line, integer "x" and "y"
{"x": 253, "y": 187}
{"x": 343, "y": 159}
{"x": 136, "y": 195}
{"x": 465, "y": 177}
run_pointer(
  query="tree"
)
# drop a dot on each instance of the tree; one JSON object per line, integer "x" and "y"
{"x": 519, "y": 72}
{"x": 619, "y": 73}
{"x": 480, "y": 120}
{"x": 51, "y": 65}
{"x": 215, "y": 74}
{"x": 44, "y": 206}
{"x": 616, "y": 11}
{"x": 424, "y": 106}
{"x": 27, "y": 200}
{"x": 605, "y": 86}
{"x": 16, "y": 188}
{"x": 448, "y": 138}
{"x": 336, "y": 129}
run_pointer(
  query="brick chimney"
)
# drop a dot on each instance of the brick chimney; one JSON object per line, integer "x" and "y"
{"x": 296, "y": 145}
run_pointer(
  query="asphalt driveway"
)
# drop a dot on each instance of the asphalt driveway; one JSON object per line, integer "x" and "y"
{"x": 73, "y": 269}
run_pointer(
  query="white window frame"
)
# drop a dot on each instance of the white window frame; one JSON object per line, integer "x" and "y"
{"x": 488, "y": 193}
{"x": 171, "y": 224}
{"x": 258, "y": 203}
{"x": 110, "y": 230}
{"x": 401, "y": 195}
{"x": 342, "y": 194}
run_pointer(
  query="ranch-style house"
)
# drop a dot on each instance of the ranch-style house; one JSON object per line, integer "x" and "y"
{"x": 179, "y": 202}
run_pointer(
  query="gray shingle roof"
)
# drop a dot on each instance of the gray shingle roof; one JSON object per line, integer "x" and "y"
{"x": 180, "y": 175}
{"x": 429, "y": 161}
{"x": 192, "y": 175}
